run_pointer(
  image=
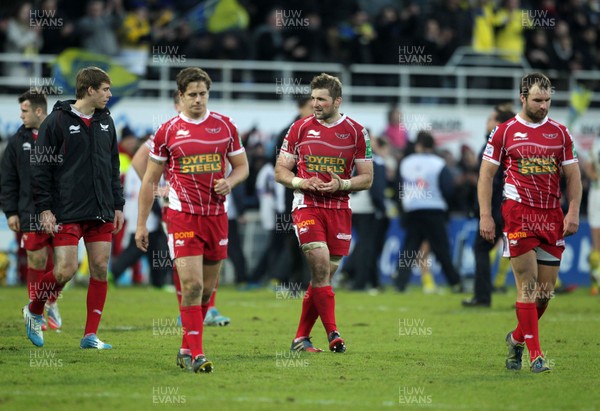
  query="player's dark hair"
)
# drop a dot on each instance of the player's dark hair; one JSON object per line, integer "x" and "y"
{"x": 302, "y": 100}
{"x": 190, "y": 75}
{"x": 328, "y": 82}
{"x": 89, "y": 77}
{"x": 425, "y": 140}
{"x": 530, "y": 80}
{"x": 37, "y": 100}
{"x": 503, "y": 115}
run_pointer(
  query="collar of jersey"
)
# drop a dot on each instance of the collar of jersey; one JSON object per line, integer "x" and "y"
{"x": 528, "y": 124}
{"x": 191, "y": 120}
{"x": 324, "y": 124}
{"x": 80, "y": 114}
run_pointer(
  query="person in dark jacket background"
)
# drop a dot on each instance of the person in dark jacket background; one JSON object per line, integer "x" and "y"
{"x": 78, "y": 194}
{"x": 16, "y": 198}
{"x": 482, "y": 248}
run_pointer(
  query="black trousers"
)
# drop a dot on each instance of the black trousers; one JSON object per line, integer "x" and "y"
{"x": 362, "y": 265}
{"x": 427, "y": 225}
{"x": 158, "y": 256}
{"x": 235, "y": 253}
{"x": 483, "y": 266}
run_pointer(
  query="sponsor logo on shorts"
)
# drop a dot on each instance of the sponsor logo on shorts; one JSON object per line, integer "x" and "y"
{"x": 324, "y": 164}
{"x": 179, "y": 243}
{"x": 513, "y": 242}
{"x": 345, "y": 237}
{"x": 200, "y": 163}
{"x": 183, "y": 234}
{"x": 517, "y": 235}
{"x": 537, "y": 165}
{"x": 223, "y": 241}
{"x": 561, "y": 242}
{"x": 305, "y": 223}
{"x": 303, "y": 230}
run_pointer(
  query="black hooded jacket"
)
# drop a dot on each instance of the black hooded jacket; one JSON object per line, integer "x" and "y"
{"x": 16, "y": 196}
{"x": 76, "y": 176}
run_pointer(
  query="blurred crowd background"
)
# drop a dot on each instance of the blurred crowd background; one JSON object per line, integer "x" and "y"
{"x": 544, "y": 34}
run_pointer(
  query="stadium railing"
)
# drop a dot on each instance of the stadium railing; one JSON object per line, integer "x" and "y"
{"x": 456, "y": 83}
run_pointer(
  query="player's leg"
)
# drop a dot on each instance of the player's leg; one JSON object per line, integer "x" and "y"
{"x": 52, "y": 282}
{"x": 310, "y": 236}
{"x": 210, "y": 271}
{"x": 190, "y": 271}
{"x": 215, "y": 252}
{"x": 525, "y": 269}
{"x": 36, "y": 267}
{"x": 98, "y": 255}
{"x": 338, "y": 229}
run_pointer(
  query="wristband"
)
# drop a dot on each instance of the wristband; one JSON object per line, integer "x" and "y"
{"x": 297, "y": 182}
{"x": 345, "y": 185}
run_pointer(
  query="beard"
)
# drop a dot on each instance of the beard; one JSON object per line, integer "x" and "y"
{"x": 535, "y": 116}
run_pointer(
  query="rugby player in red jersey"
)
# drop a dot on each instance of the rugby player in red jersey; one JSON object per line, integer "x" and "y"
{"x": 326, "y": 147}
{"x": 533, "y": 150}
{"x": 194, "y": 146}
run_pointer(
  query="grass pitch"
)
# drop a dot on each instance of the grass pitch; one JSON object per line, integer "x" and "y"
{"x": 408, "y": 351}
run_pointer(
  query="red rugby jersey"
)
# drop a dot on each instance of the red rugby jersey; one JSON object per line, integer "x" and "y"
{"x": 319, "y": 147}
{"x": 195, "y": 153}
{"x": 532, "y": 155}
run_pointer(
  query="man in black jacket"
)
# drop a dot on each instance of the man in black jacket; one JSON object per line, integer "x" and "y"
{"x": 17, "y": 201}
{"x": 482, "y": 248}
{"x": 78, "y": 187}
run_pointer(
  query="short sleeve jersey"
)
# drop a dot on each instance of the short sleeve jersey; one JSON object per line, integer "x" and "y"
{"x": 532, "y": 155}
{"x": 195, "y": 152}
{"x": 318, "y": 148}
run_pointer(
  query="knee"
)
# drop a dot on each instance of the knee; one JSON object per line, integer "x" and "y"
{"x": 64, "y": 270}
{"x": 99, "y": 265}
{"x": 192, "y": 289}
{"x": 37, "y": 262}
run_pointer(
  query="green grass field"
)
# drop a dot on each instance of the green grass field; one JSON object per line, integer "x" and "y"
{"x": 404, "y": 351}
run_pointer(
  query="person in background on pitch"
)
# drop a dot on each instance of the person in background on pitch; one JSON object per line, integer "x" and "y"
{"x": 16, "y": 199}
{"x": 326, "y": 147}
{"x": 593, "y": 209}
{"x": 482, "y": 248}
{"x": 139, "y": 164}
{"x": 533, "y": 150}
{"x": 80, "y": 190}
{"x": 427, "y": 186}
{"x": 195, "y": 145}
